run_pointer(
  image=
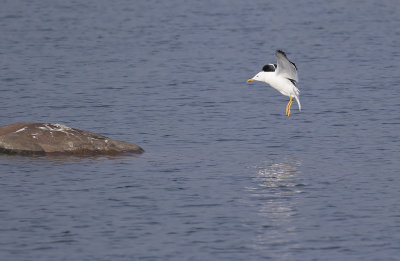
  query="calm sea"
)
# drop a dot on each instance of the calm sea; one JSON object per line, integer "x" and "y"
{"x": 226, "y": 175}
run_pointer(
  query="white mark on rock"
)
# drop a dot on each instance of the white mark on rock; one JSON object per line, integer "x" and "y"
{"x": 24, "y": 128}
{"x": 58, "y": 127}
{"x": 61, "y": 127}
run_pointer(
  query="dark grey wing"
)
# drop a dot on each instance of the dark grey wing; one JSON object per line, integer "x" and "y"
{"x": 285, "y": 67}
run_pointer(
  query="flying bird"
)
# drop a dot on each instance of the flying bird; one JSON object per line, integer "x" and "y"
{"x": 282, "y": 77}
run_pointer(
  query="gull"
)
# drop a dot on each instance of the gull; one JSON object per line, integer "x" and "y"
{"x": 282, "y": 77}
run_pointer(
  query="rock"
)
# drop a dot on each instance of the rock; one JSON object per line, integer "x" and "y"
{"x": 49, "y": 138}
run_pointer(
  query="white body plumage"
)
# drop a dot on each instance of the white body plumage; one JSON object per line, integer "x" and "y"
{"x": 279, "y": 83}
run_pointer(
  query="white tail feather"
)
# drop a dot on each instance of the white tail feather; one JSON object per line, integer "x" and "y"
{"x": 298, "y": 102}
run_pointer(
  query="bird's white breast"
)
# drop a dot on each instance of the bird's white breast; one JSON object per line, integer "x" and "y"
{"x": 281, "y": 84}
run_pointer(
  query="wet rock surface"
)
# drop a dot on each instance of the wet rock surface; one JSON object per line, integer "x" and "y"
{"x": 52, "y": 138}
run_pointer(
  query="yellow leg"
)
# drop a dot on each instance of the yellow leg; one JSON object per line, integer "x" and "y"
{"x": 288, "y": 106}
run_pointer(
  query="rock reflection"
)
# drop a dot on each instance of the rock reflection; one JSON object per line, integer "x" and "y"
{"x": 274, "y": 194}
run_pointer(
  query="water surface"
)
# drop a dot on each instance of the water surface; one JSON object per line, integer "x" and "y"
{"x": 226, "y": 175}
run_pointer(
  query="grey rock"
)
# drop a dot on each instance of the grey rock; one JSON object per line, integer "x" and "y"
{"x": 51, "y": 138}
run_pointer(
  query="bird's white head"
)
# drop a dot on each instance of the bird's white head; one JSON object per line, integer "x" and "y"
{"x": 265, "y": 74}
{"x": 258, "y": 77}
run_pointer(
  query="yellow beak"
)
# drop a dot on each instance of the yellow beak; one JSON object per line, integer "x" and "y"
{"x": 250, "y": 80}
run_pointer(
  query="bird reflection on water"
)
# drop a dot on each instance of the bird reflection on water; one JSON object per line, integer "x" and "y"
{"x": 277, "y": 174}
{"x": 275, "y": 195}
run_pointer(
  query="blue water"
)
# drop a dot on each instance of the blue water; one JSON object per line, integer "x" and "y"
{"x": 226, "y": 175}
